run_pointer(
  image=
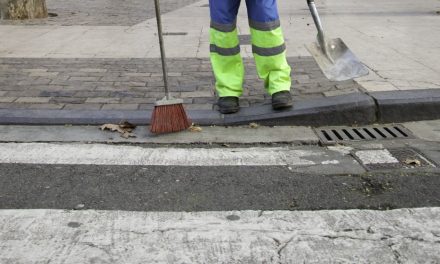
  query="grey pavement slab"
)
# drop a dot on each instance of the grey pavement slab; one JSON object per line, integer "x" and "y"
{"x": 427, "y": 130}
{"x": 208, "y": 135}
{"x": 100, "y": 12}
{"x": 397, "y": 236}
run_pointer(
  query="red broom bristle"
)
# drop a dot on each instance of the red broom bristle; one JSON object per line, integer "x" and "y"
{"x": 168, "y": 119}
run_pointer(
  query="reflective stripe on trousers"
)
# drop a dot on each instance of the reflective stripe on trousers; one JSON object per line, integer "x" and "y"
{"x": 267, "y": 46}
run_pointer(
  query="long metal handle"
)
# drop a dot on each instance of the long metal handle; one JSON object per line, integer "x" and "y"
{"x": 318, "y": 23}
{"x": 162, "y": 48}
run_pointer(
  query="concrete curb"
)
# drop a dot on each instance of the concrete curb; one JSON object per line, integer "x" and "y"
{"x": 356, "y": 108}
{"x": 412, "y": 105}
{"x": 208, "y": 135}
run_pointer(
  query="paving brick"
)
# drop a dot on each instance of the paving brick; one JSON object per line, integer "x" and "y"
{"x": 51, "y": 106}
{"x": 62, "y": 77}
{"x": 82, "y": 106}
{"x": 33, "y": 100}
{"x": 137, "y": 74}
{"x": 197, "y": 94}
{"x": 86, "y": 74}
{"x": 141, "y": 100}
{"x": 37, "y": 81}
{"x": 23, "y": 93}
{"x": 138, "y": 82}
{"x": 204, "y": 100}
{"x": 187, "y": 88}
{"x": 34, "y": 70}
{"x": 120, "y": 107}
{"x": 92, "y": 70}
{"x": 350, "y": 85}
{"x": 7, "y": 99}
{"x": 85, "y": 79}
{"x": 124, "y": 94}
{"x": 14, "y": 106}
{"x": 199, "y": 107}
{"x": 43, "y": 74}
{"x": 113, "y": 78}
{"x": 70, "y": 100}
{"x": 107, "y": 88}
{"x": 5, "y": 105}
{"x": 56, "y": 93}
{"x": 146, "y": 106}
{"x": 340, "y": 92}
{"x": 300, "y": 77}
{"x": 174, "y": 74}
{"x": 103, "y": 100}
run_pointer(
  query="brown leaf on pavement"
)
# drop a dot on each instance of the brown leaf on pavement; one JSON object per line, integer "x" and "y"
{"x": 194, "y": 128}
{"x": 127, "y": 134}
{"x": 127, "y": 125}
{"x": 112, "y": 127}
{"x": 413, "y": 162}
{"x": 124, "y": 128}
{"x": 254, "y": 125}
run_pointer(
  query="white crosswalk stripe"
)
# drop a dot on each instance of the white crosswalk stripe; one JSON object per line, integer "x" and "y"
{"x": 101, "y": 154}
{"x": 97, "y": 236}
{"x": 361, "y": 236}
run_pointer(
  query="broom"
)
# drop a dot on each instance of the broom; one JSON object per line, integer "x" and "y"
{"x": 168, "y": 115}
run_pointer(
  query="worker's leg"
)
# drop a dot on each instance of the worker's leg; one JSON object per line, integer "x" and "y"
{"x": 268, "y": 45}
{"x": 226, "y": 61}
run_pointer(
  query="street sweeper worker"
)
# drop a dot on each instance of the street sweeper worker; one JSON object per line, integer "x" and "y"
{"x": 268, "y": 48}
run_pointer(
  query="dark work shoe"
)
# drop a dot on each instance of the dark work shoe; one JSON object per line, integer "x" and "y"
{"x": 282, "y": 100}
{"x": 228, "y": 105}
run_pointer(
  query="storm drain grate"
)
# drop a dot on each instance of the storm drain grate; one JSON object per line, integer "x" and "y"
{"x": 332, "y": 135}
{"x": 405, "y": 158}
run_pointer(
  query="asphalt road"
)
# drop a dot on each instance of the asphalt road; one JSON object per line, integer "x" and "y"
{"x": 175, "y": 188}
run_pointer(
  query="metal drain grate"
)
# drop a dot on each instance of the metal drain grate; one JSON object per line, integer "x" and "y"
{"x": 404, "y": 156}
{"x": 332, "y": 135}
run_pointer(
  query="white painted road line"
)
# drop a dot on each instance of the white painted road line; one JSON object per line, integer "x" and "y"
{"x": 356, "y": 236}
{"x": 376, "y": 156}
{"x": 101, "y": 154}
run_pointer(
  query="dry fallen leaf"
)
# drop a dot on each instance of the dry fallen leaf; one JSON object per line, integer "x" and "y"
{"x": 127, "y": 125}
{"x": 127, "y": 134}
{"x": 112, "y": 127}
{"x": 124, "y": 129}
{"x": 194, "y": 128}
{"x": 413, "y": 162}
{"x": 254, "y": 125}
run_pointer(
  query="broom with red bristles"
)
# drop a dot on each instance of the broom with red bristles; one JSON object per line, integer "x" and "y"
{"x": 168, "y": 115}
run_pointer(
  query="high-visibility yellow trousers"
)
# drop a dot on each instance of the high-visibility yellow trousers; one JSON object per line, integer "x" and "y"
{"x": 268, "y": 46}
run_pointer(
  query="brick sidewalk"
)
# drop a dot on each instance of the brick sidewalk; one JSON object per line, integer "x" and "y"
{"x": 130, "y": 84}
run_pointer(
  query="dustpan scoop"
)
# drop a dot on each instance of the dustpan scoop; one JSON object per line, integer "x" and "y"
{"x": 336, "y": 60}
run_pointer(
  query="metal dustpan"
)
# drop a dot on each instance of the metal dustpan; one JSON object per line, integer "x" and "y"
{"x": 335, "y": 59}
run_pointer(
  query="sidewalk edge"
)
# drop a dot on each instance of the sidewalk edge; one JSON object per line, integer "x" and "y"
{"x": 355, "y": 108}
